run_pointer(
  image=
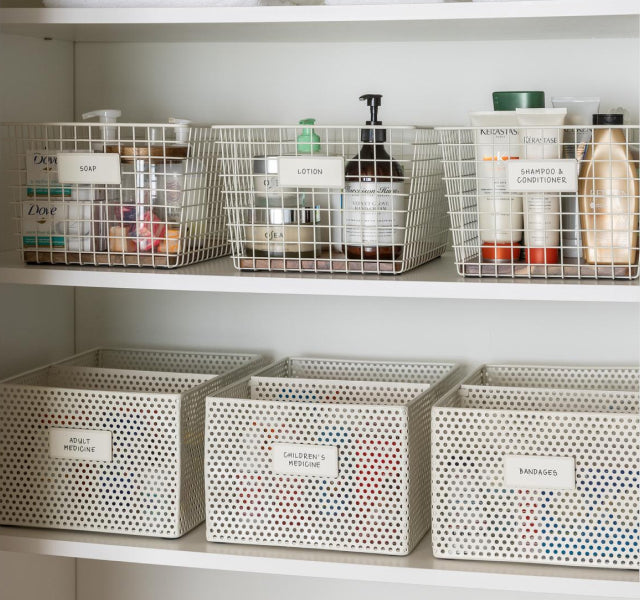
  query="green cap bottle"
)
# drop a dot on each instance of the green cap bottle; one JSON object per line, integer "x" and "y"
{"x": 308, "y": 140}
{"x": 513, "y": 100}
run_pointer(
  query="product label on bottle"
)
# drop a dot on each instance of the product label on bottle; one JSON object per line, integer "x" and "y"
{"x": 549, "y": 175}
{"x": 315, "y": 171}
{"x": 496, "y": 147}
{"x": 89, "y": 167}
{"x": 375, "y": 213}
{"x": 540, "y": 472}
{"x": 43, "y": 223}
{"x": 301, "y": 459}
{"x": 80, "y": 444}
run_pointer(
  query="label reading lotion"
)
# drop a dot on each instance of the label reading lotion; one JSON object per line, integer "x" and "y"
{"x": 89, "y": 167}
{"x": 540, "y": 472}
{"x": 317, "y": 171}
{"x": 83, "y": 444}
{"x": 300, "y": 459}
{"x": 547, "y": 175}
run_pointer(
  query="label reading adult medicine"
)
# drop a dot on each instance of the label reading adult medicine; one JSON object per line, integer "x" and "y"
{"x": 302, "y": 459}
{"x": 375, "y": 213}
{"x": 80, "y": 444}
{"x": 540, "y": 472}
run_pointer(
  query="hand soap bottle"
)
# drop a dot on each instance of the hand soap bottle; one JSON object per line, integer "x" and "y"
{"x": 608, "y": 196}
{"x": 374, "y": 202}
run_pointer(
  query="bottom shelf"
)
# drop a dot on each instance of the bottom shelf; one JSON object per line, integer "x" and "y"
{"x": 419, "y": 568}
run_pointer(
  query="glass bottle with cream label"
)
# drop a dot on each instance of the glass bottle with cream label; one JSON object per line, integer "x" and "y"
{"x": 375, "y": 200}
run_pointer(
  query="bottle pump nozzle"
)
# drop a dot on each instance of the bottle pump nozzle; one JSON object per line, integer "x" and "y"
{"x": 182, "y": 131}
{"x": 308, "y": 141}
{"x": 373, "y": 135}
{"x": 105, "y": 115}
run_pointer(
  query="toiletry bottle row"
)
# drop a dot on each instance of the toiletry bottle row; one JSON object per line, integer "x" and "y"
{"x": 601, "y": 217}
{"x": 367, "y": 217}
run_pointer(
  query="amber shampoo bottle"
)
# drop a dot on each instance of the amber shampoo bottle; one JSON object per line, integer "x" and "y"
{"x": 374, "y": 201}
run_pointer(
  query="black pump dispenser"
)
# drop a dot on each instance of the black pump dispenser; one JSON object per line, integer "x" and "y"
{"x": 377, "y": 136}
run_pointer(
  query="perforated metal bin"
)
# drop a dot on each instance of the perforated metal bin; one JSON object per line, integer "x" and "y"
{"x": 319, "y": 453}
{"x": 539, "y": 465}
{"x": 111, "y": 440}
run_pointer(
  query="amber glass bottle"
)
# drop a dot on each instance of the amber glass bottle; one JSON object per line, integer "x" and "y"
{"x": 374, "y": 202}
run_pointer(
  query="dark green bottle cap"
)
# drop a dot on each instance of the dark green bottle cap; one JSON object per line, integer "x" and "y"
{"x": 513, "y": 100}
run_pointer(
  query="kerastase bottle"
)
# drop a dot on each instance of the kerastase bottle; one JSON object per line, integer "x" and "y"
{"x": 608, "y": 196}
{"x": 375, "y": 201}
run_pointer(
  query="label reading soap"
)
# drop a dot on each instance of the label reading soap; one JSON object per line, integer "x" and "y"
{"x": 89, "y": 168}
{"x": 80, "y": 444}
{"x": 317, "y": 171}
{"x": 540, "y": 472}
{"x": 301, "y": 459}
{"x": 547, "y": 175}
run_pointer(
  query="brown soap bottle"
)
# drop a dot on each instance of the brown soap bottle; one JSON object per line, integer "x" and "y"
{"x": 374, "y": 201}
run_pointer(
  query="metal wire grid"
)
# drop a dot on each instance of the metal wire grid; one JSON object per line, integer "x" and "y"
{"x": 394, "y": 235}
{"x": 476, "y": 516}
{"x": 592, "y": 233}
{"x": 374, "y": 412}
{"x": 154, "y": 483}
{"x": 167, "y": 211}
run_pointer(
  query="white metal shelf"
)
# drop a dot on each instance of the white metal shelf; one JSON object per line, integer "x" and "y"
{"x": 437, "y": 279}
{"x": 418, "y": 568}
{"x": 440, "y": 21}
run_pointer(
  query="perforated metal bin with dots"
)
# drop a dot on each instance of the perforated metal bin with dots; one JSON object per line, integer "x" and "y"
{"x": 111, "y": 440}
{"x": 323, "y": 453}
{"x": 539, "y": 465}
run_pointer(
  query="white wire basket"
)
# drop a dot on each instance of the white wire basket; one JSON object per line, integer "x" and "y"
{"x": 547, "y": 214}
{"x": 111, "y": 440}
{"x": 147, "y": 196}
{"x": 293, "y": 208}
{"x": 539, "y": 465}
{"x": 324, "y": 453}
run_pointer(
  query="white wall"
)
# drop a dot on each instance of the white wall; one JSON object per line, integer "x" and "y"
{"x": 424, "y": 83}
{"x": 36, "y": 324}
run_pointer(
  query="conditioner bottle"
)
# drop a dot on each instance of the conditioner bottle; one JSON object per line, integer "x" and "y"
{"x": 375, "y": 201}
{"x": 608, "y": 196}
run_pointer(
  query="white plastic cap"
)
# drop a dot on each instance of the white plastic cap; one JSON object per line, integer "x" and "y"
{"x": 105, "y": 115}
{"x": 182, "y": 132}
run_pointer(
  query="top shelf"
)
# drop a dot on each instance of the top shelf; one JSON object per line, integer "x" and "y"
{"x": 437, "y": 279}
{"x": 531, "y": 19}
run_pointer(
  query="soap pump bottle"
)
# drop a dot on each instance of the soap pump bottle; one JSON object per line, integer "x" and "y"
{"x": 608, "y": 196}
{"x": 374, "y": 203}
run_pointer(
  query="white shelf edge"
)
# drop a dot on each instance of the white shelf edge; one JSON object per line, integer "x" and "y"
{"x": 435, "y": 280}
{"x": 419, "y": 568}
{"x": 315, "y": 13}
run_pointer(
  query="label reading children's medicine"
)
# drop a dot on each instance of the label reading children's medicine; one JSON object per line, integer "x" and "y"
{"x": 83, "y": 444}
{"x": 300, "y": 459}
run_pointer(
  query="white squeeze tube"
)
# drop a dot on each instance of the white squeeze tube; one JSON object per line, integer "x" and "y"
{"x": 499, "y": 212}
{"x": 541, "y": 134}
